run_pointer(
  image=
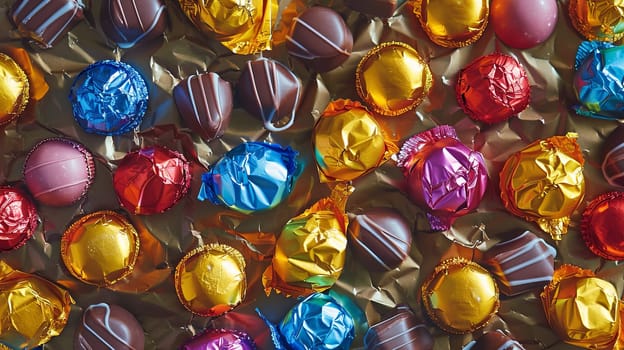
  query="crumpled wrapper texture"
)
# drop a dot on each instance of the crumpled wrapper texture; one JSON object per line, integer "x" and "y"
{"x": 192, "y": 223}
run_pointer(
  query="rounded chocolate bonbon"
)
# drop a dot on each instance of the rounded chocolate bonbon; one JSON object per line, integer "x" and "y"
{"x": 460, "y": 296}
{"x": 463, "y": 28}
{"x": 320, "y": 38}
{"x": 523, "y": 24}
{"x": 100, "y": 248}
{"x": 151, "y": 180}
{"x": 602, "y": 225}
{"x": 399, "y": 330}
{"x": 220, "y": 339}
{"x": 613, "y": 157}
{"x": 58, "y": 172}
{"x": 493, "y": 88}
{"x": 46, "y": 22}
{"x": 18, "y": 218}
{"x": 14, "y": 86}
{"x": 271, "y": 92}
{"x": 205, "y": 103}
{"x": 210, "y": 280}
{"x": 597, "y": 19}
{"x": 130, "y": 22}
{"x": 380, "y": 237}
{"x": 494, "y": 340}
{"x": 109, "y": 98}
{"x": 107, "y": 326}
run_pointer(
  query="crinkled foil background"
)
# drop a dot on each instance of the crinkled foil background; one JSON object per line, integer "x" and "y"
{"x": 184, "y": 51}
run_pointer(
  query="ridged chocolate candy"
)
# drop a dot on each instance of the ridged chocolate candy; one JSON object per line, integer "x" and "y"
{"x": 46, "y": 22}
{"x": 128, "y": 22}
{"x": 400, "y": 330}
{"x": 105, "y": 327}
{"x": 380, "y": 237}
{"x": 205, "y": 104}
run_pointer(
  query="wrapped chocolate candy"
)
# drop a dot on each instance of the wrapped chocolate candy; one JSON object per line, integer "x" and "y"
{"x": 18, "y": 218}
{"x": 443, "y": 175}
{"x": 310, "y": 252}
{"x": 462, "y": 29}
{"x": 128, "y": 23}
{"x": 100, "y": 248}
{"x": 250, "y": 177}
{"x": 524, "y": 24}
{"x": 271, "y": 92}
{"x": 601, "y": 226}
{"x": 385, "y": 93}
{"x": 613, "y": 157}
{"x": 494, "y": 340}
{"x": 320, "y": 38}
{"x": 243, "y": 27}
{"x": 460, "y": 296}
{"x": 582, "y": 309}
{"x": 205, "y": 104}
{"x": 597, "y": 80}
{"x": 221, "y": 339}
{"x": 492, "y": 88}
{"x": 151, "y": 180}
{"x": 109, "y": 98}
{"x": 14, "y": 86}
{"x": 544, "y": 183}
{"x": 58, "y": 172}
{"x": 46, "y": 22}
{"x": 105, "y": 326}
{"x": 399, "y": 330}
{"x": 32, "y": 310}
{"x": 210, "y": 280}
{"x": 597, "y": 19}
{"x": 521, "y": 264}
{"x": 348, "y": 142}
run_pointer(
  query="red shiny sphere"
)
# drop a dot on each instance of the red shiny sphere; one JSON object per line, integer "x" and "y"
{"x": 602, "y": 227}
{"x": 523, "y": 24}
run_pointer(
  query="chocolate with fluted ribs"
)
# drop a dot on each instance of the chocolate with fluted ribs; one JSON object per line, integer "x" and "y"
{"x": 128, "y": 22}
{"x": 400, "y": 330}
{"x": 45, "y": 22}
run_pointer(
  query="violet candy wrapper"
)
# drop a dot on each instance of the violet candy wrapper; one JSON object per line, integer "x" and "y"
{"x": 252, "y": 176}
{"x": 443, "y": 175}
{"x": 216, "y": 339}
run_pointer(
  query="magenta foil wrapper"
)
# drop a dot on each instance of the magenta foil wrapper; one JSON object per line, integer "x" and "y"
{"x": 216, "y": 339}
{"x": 442, "y": 175}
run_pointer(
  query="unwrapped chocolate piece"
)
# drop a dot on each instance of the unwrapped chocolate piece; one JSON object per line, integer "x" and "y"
{"x": 463, "y": 28}
{"x": 443, "y": 175}
{"x": 602, "y": 226}
{"x": 582, "y": 309}
{"x": 220, "y": 339}
{"x": 46, "y": 22}
{"x": 544, "y": 183}
{"x": 18, "y": 218}
{"x": 494, "y": 340}
{"x": 14, "y": 86}
{"x": 106, "y": 326}
{"x": 32, "y": 309}
{"x": 598, "y": 19}
{"x": 130, "y": 22}
{"x": 399, "y": 330}
{"x": 613, "y": 157}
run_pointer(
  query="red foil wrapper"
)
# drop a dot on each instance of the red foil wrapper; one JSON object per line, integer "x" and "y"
{"x": 492, "y": 88}
{"x": 151, "y": 180}
{"x": 602, "y": 226}
{"x": 18, "y": 218}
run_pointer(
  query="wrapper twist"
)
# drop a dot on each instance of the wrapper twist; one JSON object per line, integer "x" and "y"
{"x": 443, "y": 175}
{"x": 250, "y": 177}
{"x": 544, "y": 183}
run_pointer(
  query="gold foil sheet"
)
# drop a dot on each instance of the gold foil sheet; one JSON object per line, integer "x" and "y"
{"x": 191, "y": 223}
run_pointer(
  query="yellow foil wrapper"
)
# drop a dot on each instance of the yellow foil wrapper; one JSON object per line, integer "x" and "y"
{"x": 310, "y": 252}
{"x": 581, "y": 308}
{"x": 242, "y": 26}
{"x": 392, "y": 78}
{"x": 32, "y": 309}
{"x": 451, "y": 23}
{"x": 348, "y": 142}
{"x": 544, "y": 183}
{"x": 210, "y": 280}
{"x": 460, "y": 296}
{"x": 100, "y": 248}
{"x": 13, "y": 90}
{"x": 598, "y": 19}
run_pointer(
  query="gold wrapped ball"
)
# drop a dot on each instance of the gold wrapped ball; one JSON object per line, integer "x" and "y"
{"x": 13, "y": 90}
{"x": 601, "y": 20}
{"x": 451, "y": 23}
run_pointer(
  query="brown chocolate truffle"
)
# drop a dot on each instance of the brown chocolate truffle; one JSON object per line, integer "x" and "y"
{"x": 400, "y": 330}
{"x": 380, "y": 237}
{"x": 494, "y": 340}
{"x": 613, "y": 155}
{"x": 45, "y": 22}
{"x": 375, "y": 8}
{"x": 105, "y": 327}
{"x": 205, "y": 104}
{"x": 270, "y": 91}
{"x": 521, "y": 264}
{"x": 320, "y": 38}
{"x": 131, "y": 21}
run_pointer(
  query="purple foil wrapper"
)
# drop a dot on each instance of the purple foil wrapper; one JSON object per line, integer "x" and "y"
{"x": 216, "y": 339}
{"x": 443, "y": 175}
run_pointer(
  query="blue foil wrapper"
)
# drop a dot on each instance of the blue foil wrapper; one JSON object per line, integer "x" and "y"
{"x": 250, "y": 177}
{"x": 109, "y": 98}
{"x": 598, "y": 81}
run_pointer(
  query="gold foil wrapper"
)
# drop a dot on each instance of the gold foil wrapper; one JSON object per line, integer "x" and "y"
{"x": 100, "y": 248}
{"x": 210, "y": 280}
{"x": 242, "y": 26}
{"x": 544, "y": 183}
{"x": 14, "y": 91}
{"x": 582, "y": 309}
{"x": 32, "y": 309}
{"x": 451, "y": 23}
{"x": 392, "y": 78}
{"x": 460, "y": 296}
{"x": 601, "y": 20}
